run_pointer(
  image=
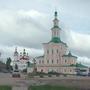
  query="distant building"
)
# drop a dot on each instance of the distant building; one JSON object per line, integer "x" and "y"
{"x": 55, "y": 58}
{"x": 82, "y": 70}
{"x": 20, "y": 59}
{"x": 2, "y": 66}
{"x": 30, "y": 68}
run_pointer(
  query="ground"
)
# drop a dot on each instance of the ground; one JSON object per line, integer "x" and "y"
{"x": 5, "y": 87}
{"x": 72, "y": 81}
{"x": 49, "y": 87}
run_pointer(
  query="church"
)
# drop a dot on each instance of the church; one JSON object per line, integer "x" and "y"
{"x": 56, "y": 56}
{"x": 20, "y": 59}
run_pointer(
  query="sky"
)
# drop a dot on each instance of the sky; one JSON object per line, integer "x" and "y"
{"x": 27, "y": 24}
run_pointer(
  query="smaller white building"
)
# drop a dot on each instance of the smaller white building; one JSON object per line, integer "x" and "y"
{"x": 30, "y": 68}
{"x": 20, "y": 59}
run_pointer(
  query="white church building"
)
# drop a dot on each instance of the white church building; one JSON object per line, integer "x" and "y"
{"x": 55, "y": 56}
{"x": 20, "y": 59}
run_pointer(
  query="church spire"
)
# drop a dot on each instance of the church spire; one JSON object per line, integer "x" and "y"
{"x": 55, "y": 21}
{"x": 56, "y": 29}
{"x": 16, "y": 52}
{"x": 16, "y": 49}
{"x": 55, "y": 14}
{"x": 24, "y": 52}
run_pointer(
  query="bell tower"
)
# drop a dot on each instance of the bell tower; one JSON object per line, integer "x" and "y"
{"x": 16, "y": 54}
{"x": 55, "y": 29}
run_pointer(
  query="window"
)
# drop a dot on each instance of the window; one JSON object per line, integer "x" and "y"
{"x": 61, "y": 47}
{"x": 57, "y": 60}
{"x": 64, "y": 70}
{"x": 65, "y": 61}
{"x": 41, "y": 70}
{"x": 52, "y": 61}
{"x": 55, "y": 33}
{"x": 70, "y": 70}
{"x": 47, "y": 51}
{"x": 47, "y": 61}
{"x": 52, "y": 51}
{"x": 57, "y": 50}
{"x": 42, "y": 61}
{"x": 59, "y": 55}
{"x": 39, "y": 61}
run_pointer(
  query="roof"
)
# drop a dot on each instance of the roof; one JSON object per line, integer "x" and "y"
{"x": 55, "y": 27}
{"x": 57, "y": 40}
{"x": 69, "y": 55}
{"x": 79, "y": 65}
{"x": 40, "y": 56}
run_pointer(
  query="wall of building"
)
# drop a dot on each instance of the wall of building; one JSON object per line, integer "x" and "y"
{"x": 62, "y": 70}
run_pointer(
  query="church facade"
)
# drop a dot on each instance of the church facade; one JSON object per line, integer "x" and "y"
{"x": 55, "y": 56}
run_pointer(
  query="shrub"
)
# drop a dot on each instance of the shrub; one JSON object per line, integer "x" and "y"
{"x": 49, "y": 75}
{"x": 41, "y": 76}
{"x": 5, "y": 87}
{"x": 65, "y": 75}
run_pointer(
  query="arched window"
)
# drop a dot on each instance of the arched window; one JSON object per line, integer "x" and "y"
{"x": 52, "y": 61}
{"x": 54, "y": 33}
{"x": 52, "y": 51}
{"x": 47, "y": 51}
{"x": 39, "y": 61}
{"x": 43, "y": 61}
{"x": 57, "y": 50}
{"x": 65, "y": 60}
{"x": 57, "y": 33}
{"x": 70, "y": 70}
{"x": 47, "y": 61}
{"x": 57, "y": 60}
{"x": 64, "y": 70}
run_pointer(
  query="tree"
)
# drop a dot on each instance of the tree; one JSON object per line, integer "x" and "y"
{"x": 16, "y": 66}
{"x": 8, "y": 64}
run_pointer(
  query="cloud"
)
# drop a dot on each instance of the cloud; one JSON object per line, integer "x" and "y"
{"x": 79, "y": 44}
{"x": 8, "y": 51}
{"x": 32, "y": 13}
{"x": 21, "y": 27}
{"x": 84, "y": 60}
{"x": 78, "y": 40}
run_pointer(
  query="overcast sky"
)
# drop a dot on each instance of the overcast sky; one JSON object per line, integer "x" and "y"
{"x": 27, "y": 24}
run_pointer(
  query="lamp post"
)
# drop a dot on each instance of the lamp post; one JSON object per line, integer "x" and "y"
{"x": 34, "y": 66}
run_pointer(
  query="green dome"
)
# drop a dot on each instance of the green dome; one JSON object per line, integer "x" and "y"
{"x": 57, "y": 40}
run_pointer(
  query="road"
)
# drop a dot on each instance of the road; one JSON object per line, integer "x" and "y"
{"x": 17, "y": 83}
{"x": 74, "y": 81}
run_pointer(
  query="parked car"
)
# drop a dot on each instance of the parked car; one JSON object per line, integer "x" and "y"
{"x": 82, "y": 73}
{"x": 89, "y": 74}
{"x": 53, "y": 73}
{"x": 16, "y": 73}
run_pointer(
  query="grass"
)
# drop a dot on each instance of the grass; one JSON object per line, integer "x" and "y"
{"x": 48, "y": 87}
{"x": 5, "y": 88}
